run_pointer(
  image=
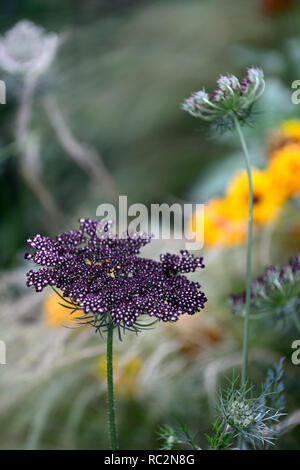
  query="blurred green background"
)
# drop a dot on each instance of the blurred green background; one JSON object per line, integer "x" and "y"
{"x": 119, "y": 77}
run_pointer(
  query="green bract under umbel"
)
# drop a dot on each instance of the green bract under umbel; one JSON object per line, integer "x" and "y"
{"x": 231, "y": 99}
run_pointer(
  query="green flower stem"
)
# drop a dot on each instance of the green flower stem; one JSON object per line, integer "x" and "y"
{"x": 249, "y": 247}
{"x": 248, "y": 268}
{"x": 110, "y": 389}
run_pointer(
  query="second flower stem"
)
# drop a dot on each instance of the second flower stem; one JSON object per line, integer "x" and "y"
{"x": 110, "y": 389}
{"x": 249, "y": 247}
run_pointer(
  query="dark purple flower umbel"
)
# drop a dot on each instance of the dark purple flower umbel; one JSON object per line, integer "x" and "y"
{"x": 101, "y": 274}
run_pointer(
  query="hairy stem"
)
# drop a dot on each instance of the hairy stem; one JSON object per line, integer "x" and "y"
{"x": 110, "y": 389}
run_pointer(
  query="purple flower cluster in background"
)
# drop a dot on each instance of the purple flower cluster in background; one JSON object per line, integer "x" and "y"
{"x": 276, "y": 292}
{"x": 102, "y": 275}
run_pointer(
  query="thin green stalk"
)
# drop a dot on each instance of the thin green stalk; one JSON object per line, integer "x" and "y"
{"x": 249, "y": 247}
{"x": 248, "y": 268}
{"x": 110, "y": 389}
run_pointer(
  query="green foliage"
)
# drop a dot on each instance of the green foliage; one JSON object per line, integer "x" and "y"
{"x": 220, "y": 439}
{"x": 274, "y": 386}
{"x": 253, "y": 419}
{"x": 172, "y": 438}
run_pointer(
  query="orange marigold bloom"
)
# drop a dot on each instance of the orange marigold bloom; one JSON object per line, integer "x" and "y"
{"x": 267, "y": 200}
{"x": 291, "y": 129}
{"x": 284, "y": 170}
{"x": 219, "y": 227}
{"x": 287, "y": 133}
{"x": 225, "y": 219}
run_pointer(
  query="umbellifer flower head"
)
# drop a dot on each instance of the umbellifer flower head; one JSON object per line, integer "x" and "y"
{"x": 230, "y": 99}
{"x": 107, "y": 281}
{"x": 251, "y": 417}
{"x": 276, "y": 293}
{"x": 27, "y": 48}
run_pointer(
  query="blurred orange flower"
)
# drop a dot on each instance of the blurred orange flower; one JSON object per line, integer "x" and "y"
{"x": 284, "y": 170}
{"x": 291, "y": 129}
{"x": 267, "y": 200}
{"x": 288, "y": 132}
{"x": 225, "y": 219}
{"x": 56, "y": 315}
{"x": 220, "y": 228}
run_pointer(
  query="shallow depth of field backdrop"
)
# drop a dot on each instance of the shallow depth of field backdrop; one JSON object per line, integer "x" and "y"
{"x": 119, "y": 76}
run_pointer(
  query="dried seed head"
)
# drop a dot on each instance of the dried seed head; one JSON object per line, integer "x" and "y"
{"x": 27, "y": 48}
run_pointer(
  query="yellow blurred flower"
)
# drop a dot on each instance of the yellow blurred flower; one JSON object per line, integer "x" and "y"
{"x": 101, "y": 369}
{"x": 125, "y": 375}
{"x": 267, "y": 200}
{"x": 225, "y": 219}
{"x": 219, "y": 227}
{"x": 56, "y": 315}
{"x": 212, "y": 232}
{"x": 287, "y": 133}
{"x": 291, "y": 129}
{"x": 284, "y": 170}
